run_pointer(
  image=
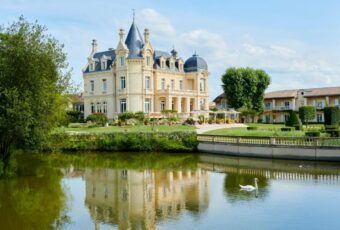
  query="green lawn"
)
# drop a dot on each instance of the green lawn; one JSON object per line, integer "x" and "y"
{"x": 263, "y": 130}
{"x": 137, "y": 128}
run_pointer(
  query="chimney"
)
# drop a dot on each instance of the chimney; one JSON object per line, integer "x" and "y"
{"x": 121, "y": 35}
{"x": 146, "y": 35}
{"x": 94, "y": 45}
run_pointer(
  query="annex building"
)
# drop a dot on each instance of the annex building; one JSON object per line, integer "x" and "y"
{"x": 136, "y": 77}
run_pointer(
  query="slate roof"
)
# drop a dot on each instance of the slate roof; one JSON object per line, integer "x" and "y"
{"x": 195, "y": 63}
{"x": 110, "y": 54}
{"x": 221, "y": 96}
{"x": 134, "y": 42}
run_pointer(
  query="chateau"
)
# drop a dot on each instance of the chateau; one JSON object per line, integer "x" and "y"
{"x": 135, "y": 77}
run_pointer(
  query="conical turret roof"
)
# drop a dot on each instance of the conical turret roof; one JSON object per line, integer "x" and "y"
{"x": 134, "y": 41}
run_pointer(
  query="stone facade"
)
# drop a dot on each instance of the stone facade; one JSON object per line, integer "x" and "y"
{"x": 135, "y": 77}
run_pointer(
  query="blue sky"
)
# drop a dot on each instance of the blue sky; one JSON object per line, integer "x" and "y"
{"x": 296, "y": 42}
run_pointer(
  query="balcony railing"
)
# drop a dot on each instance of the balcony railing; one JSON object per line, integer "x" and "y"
{"x": 279, "y": 108}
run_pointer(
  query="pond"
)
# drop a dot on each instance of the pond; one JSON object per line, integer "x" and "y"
{"x": 168, "y": 191}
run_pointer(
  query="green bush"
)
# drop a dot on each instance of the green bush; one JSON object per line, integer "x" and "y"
{"x": 125, "y": 116}
{"x": 75, "y": 125}
{"x": 150, "y": 142}
{"x": 189, "y": 121}
{"x": 313, "y": 134}
{"x": 73, "y": 116}
{"x": 307, "y": 113}
{"x": 332, "y": 116}
{"x": 139, "y": 116}
{"x": 251, "y": 128}
{"x": 98, "y": 118}
{"x": 287, "y": 129}
{"x": 333, "y": 133}
{"x": 293, "y": 120}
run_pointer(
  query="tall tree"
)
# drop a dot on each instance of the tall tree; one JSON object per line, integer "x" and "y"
{"x": 245, "y": 87}
{"x": 34, "y": 77}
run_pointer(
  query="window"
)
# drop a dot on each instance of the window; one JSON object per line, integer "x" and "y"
{"x": 202, "y": 84}
{"x": 171, "y": 65}
{"x": 92, "y": 108}
{"x": 268, "y": 105}
{"x": 122, "y": 61}
{"x": 99, "y": 107}
{"x": 103, "y": 65}
{"x": 122, "y": 83}
{"x": 319, "y": 118}
{"x": 104, "y": 107}
{"x": 147, "y": 105}
{"x": 285, "y": 118}
{"x": 319, "y": 104}
{"x": 202, "y": 104}
{"x": 172, "y": 84}
{"x": 163, "y": 83}
{"x": 91, "y": 67}
{"x": 287, "y": 105}
{"x": 181, "y": 85}
{"x": 104, "y": 85}
{"x": 162, "y": 105}
{"x": 122, "y": 105}
{"x": 92, "y": 86}
{"x": 148, "y": 61}
{"x": 147, "y": 82}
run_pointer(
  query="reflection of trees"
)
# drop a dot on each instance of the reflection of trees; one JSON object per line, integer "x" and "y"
{"x": 232, "y": 189}
{"x": 34, "y": 200}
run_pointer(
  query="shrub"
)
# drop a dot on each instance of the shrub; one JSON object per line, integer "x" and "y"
{"x": 146, "y": 121}
{"x": 286, "y": 129}
{"x": 139, "y": 116}
{"x": 293, "y": 120}
{"x": 98, "y": 118}
{"x": 307, "y": 113}
{"x": 332, "y": 116}
{"x": 251, "y": 128}
{"x": 333, "y": 133}
{"x": 73, "y": 116}
{"x": 313, "y": 134}
{"x": 201, "y": 119}
{"x": 132, "y": 121}
{"x": 125, "y": 116}
{"x": 189, "y": 121}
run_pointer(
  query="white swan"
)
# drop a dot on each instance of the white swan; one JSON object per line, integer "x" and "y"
{"x": 249, "y": 188}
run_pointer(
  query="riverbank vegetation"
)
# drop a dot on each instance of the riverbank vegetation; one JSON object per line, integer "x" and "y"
{"x": 136, "y": 142}
{"x": 34, "y": 81}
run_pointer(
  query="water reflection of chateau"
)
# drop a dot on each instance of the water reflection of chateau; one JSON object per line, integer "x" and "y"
{"x": 134, "y": 199}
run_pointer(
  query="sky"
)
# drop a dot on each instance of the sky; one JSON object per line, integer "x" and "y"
{"x": 297, "y": 42}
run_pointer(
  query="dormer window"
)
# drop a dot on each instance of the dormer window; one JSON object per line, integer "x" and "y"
{"x": 91, "y": 66}
{"x": 104, "y": 65}
{"x": 171, "y": 65}
{"x": 147, "y": 61}
{"x": 122, "y": 61}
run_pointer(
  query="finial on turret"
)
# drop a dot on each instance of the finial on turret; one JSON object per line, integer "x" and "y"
{"x": 133, "y": 15}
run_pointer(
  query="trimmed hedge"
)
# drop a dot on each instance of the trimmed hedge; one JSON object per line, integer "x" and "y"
{"x": 138, "y": 142}
{"x": 294, "y": 121}
{"x": 313, "y": 134}
{"x": 332, "y": 116}
{"x": 287, "y": 129}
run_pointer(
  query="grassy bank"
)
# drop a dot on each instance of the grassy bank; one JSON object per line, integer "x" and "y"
{"x": 135, "y": 142}
{"x": 123, "y": 129}
{"x": 262, "y": 130}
